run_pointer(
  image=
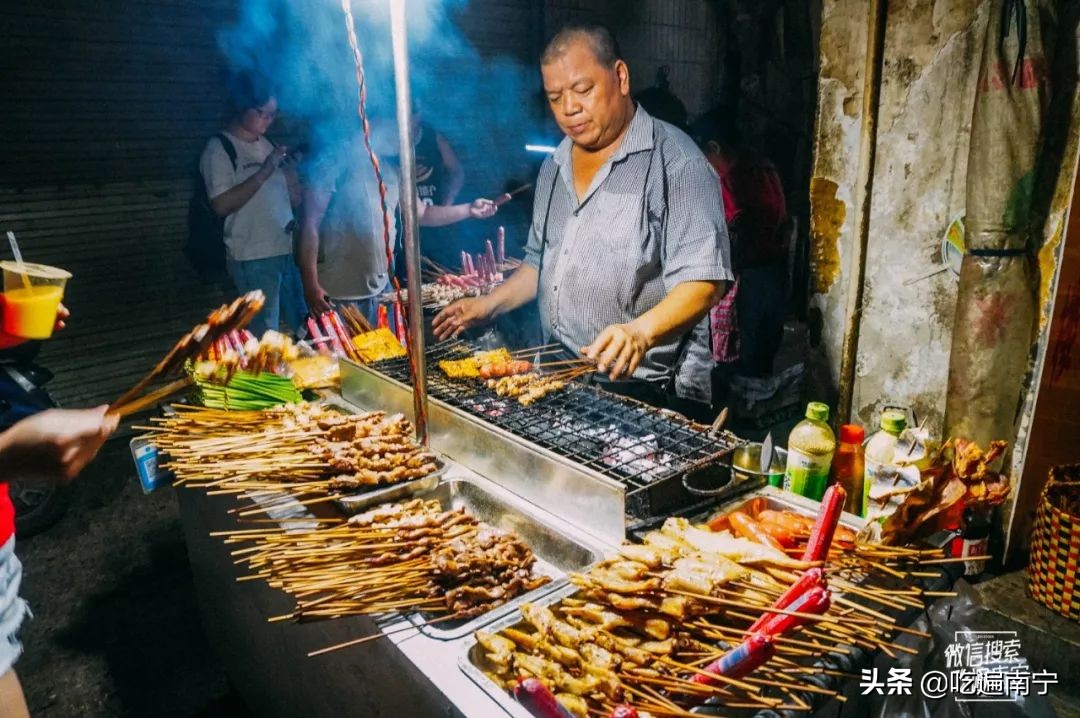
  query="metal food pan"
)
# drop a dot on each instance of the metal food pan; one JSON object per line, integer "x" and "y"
{"x": 557, "y": 553}
{"x": 473, "y": 664}
{"x": 471, "y": 660}
{"x": 770, "y": 497}
{"x": 355, "y": 503}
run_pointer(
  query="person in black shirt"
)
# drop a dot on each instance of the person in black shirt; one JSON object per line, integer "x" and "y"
{"x": 439, "y": 174}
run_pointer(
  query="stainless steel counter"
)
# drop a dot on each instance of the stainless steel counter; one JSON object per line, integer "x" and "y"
{"x": 410, "y": 673}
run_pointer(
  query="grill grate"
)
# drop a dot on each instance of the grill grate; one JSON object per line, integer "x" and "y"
{"x": 625, "y": 440}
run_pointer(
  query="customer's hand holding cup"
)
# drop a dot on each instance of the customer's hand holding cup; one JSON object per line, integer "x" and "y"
{"x": 31, "y": 300}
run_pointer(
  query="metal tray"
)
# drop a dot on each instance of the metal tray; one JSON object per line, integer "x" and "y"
{"x": 777, "y": 500}
{"x": 355, "y": 503}
{"x": 557, "y": 553}
{"x": 471, "y": 661}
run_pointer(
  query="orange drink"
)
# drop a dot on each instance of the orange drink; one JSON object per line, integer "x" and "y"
{"x": 31, "y": 299}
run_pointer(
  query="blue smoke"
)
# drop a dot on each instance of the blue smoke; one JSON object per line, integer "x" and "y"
{"x": 486, "y": 107}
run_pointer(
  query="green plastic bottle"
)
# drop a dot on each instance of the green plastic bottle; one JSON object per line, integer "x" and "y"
{"x": 811, "y": 445}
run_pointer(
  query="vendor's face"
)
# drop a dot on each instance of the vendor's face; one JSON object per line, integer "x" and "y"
{"x": 590, "y": 102}
{"x": 258, "y": 119}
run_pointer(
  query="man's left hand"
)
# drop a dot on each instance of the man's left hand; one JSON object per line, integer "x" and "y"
{"x": 482, "y": 209}
{"x": 618, "y": 350}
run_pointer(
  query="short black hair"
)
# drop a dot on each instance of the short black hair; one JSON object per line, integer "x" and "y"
{"x": 599, "y": 36}
{"x": 248, "y": 91}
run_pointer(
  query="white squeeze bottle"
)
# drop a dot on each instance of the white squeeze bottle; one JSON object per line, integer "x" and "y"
{"x": 884, "y": 477}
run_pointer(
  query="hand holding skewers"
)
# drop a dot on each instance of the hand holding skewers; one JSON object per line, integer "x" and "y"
{"x": 618, "y": 350}
{"x": 56, "y": 444}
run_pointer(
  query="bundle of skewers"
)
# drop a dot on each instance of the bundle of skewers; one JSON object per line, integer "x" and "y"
{"x": 696, "y": 615}
{"x": 220, "y": 323}
{"x": 469, "y": 367}
{"x": 292, "y": 451}
{"x": 435, "y": 295}
{"x": 529, "y": 383}
{"x": 241, "y": 372}
{"x": 513, "y": 375}
{"x": 475, "y": 276}
{"x": 345, "y": 332}
{"x": 330, "y": 333}
{"x": 414, "y": 556}
{"x": 478, "y": 271}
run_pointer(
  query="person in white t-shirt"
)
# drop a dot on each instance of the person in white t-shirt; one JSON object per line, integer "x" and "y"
{"x": 253, "y": 195}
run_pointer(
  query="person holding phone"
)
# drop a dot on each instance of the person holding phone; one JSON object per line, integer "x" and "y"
{"x": 248, "y": 183}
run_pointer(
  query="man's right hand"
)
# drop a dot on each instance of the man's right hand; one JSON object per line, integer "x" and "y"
{"x": 315, "y": 296}
{"x": 461, "y": 315}
{"x": 273, "y": 161}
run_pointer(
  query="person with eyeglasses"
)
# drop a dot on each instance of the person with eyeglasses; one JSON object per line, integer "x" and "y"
{"x": 248, "y": 183}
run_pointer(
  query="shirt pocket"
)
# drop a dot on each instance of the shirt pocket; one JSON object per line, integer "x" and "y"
{"x": 619, "y": 222}
{"x": 620, "y": 231}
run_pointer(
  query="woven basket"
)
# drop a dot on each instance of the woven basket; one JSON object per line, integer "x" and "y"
{"x": 1054, "y": 568}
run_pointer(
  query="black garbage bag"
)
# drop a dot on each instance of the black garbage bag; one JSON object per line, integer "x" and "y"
{"x": 960, "y": 625}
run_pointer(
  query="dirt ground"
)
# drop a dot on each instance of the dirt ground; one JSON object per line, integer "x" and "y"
{"x": 116, "y": 630}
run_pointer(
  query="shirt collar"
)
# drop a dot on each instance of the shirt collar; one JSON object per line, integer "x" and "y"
{"x": 638, "y": 138}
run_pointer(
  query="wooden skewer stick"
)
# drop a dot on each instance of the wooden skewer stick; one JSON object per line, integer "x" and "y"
{"x": 529, "y": 351}
{"x": 717, "y": 676}
{"x": 566, "y": 362}
{"x": 435, "y": 266}
{"x": 137, "y": 405}
{"x": 767, "y": 609}
{"x": 654, "y": 697}
{"x": 383, "y": 634}
{"x": 793, "y": 686}
{"x": 507, "y": 196}
{"x": 271, "y": 507}
{"x": 957, "y": 559}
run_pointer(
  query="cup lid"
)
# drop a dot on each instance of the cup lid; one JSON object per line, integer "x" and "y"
{"x": 42, "y": 271}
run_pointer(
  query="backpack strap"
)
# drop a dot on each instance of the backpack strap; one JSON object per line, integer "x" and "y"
{"x": 229, "y": 147}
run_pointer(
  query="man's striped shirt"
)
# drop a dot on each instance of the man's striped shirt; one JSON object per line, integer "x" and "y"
{"x": 651, "y": 219}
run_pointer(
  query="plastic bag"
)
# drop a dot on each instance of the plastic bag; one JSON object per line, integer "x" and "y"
{"x": 958, "y": 621}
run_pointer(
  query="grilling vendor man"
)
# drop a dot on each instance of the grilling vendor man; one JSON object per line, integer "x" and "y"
{"x": 628, "y": 249}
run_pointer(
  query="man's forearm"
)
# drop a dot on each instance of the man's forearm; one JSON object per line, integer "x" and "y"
{"x": 307, "y": 254}
{"x": 519, "y": 289}
{"x": 453, "y": 187}
{"x": 680, "y": 310}
{"x": 439, "y": 215}
{"x": 231, "y": 200}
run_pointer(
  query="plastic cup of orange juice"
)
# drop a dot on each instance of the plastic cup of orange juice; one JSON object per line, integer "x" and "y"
{"x": 32, "y": 294}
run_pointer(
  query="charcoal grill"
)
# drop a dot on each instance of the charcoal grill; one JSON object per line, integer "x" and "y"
{"x": 667, "y": 464}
